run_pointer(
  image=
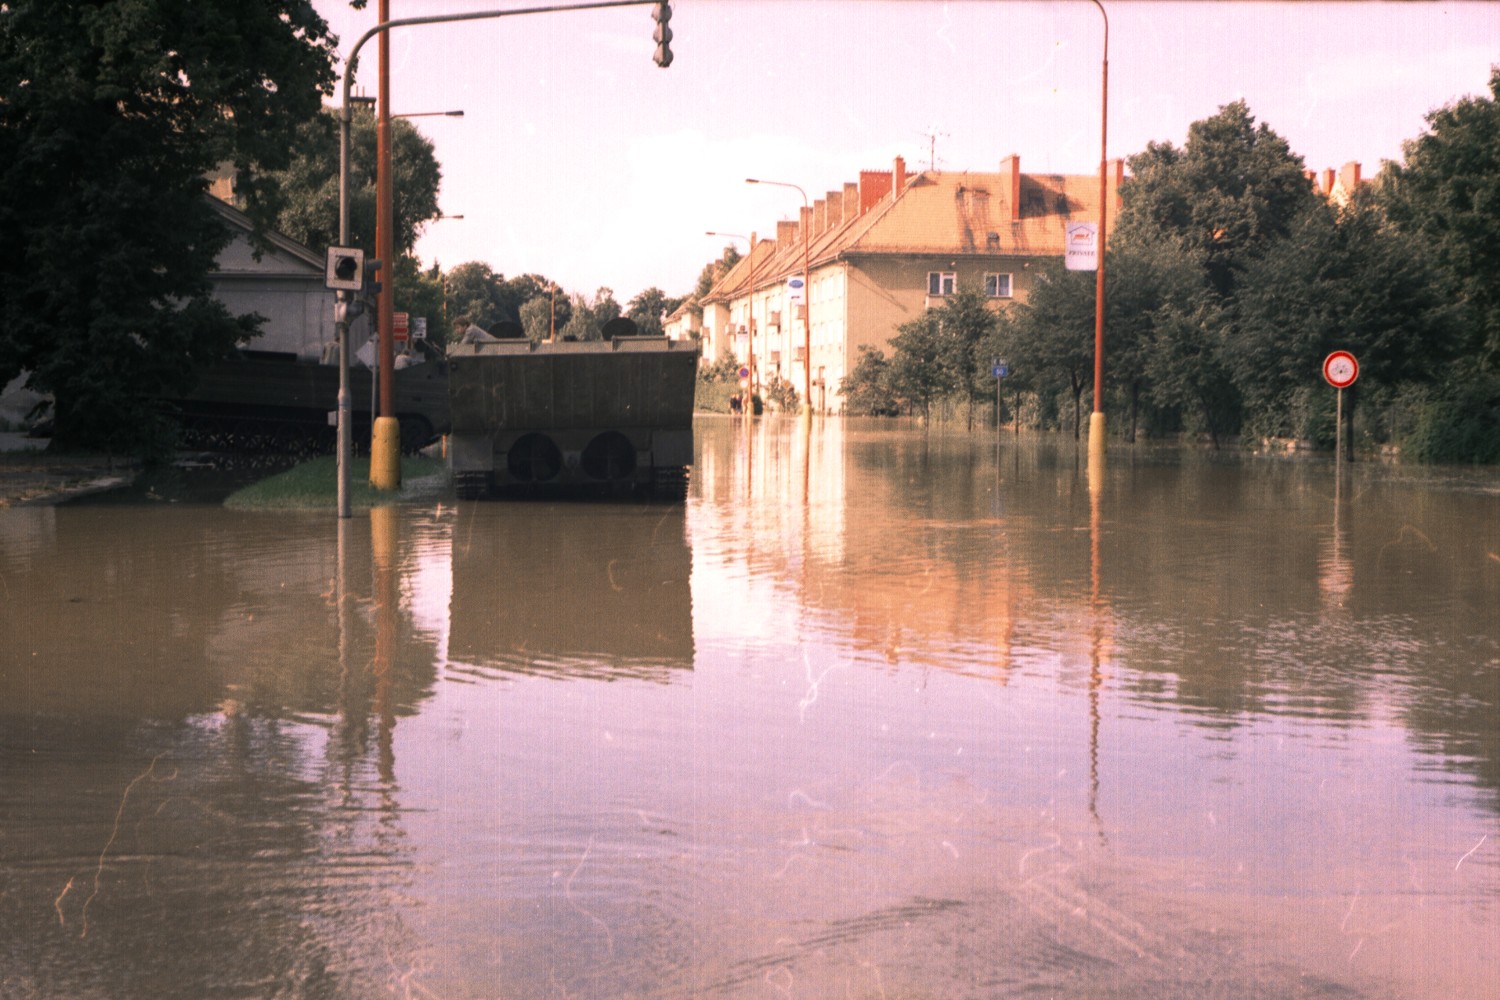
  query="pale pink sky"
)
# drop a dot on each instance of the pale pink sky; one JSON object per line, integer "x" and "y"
{"x": 579, "y": 159}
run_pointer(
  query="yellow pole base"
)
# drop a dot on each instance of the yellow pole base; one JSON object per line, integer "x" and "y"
{"x": 1096, "y": 441}
{"x": 385, "y": 454}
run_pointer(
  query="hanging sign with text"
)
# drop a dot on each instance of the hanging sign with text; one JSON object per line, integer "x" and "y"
{"x": 1082, "y": 250}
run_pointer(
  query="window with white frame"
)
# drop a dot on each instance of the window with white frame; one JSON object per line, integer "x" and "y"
{"x": 941, "y": 282}
{"x": 997, "y": 286}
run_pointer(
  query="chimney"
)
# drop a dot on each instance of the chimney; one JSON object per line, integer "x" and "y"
{"x": 1349, "y": 175}
{"x": 835, "y": 200}
{"x": 820, "y": 216}
{"x": 1010, "y": 171}
{"x": 1328, "y": 181}
{"x": 900, "y": 178}
{"x": 805, "y": 222}
{"x": 786, "y": 232}
{"x": 851, "y": 201}
{"x": 873, "y": 186}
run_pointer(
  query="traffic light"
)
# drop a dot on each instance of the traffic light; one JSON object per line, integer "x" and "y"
{"x": 661, "y": 14}
{"x": 345, "y": 271}
{"x": 369, "y": 285}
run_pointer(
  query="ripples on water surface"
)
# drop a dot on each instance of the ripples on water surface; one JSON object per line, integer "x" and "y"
{"x": 876, "y": 714}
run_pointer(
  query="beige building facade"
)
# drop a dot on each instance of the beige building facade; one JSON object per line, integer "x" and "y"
{"x": 878, "y": 253}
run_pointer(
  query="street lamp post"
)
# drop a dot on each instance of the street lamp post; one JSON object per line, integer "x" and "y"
{"x": 749, "y": 307}
{"x": 806, "y": 295}
{"x": 1096, "y": 419}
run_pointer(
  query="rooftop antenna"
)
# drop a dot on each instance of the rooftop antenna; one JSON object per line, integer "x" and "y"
{"x": 931, "y": 135}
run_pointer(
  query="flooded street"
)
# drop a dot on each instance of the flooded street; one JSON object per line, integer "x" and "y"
{"x": 876, "y": 714}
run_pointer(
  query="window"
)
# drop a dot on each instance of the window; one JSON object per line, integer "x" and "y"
{"x": 997, "y": 286}
{"x": 941, "y": 282}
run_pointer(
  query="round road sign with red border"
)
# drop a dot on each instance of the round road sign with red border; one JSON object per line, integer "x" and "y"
{"x": 1340, "y": 369}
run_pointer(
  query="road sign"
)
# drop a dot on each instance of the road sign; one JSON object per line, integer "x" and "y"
{"x": 1081, "y": 246}
{"x": 400, "y": 326}
{"x": 1000, "y": 369}
{"x": 1340, "y": 369}
{"x": 419, "y": 328}
{"x": 744, "y": 371}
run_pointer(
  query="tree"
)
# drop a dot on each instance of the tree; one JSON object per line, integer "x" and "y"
{"x": 921, "y": 370}
{"x": 588, "y": 318}
{"x": 113, "y": 116}
{"x": 648, "y": 308}
{"x": 1054, "y": 337}
{"x": 968, "y": 327}
{"x": 1231, "y": 189}
{"x": 1447, "y": 193}
{"x": 308, "y": 188}
{"x": 1342, "y": 279}
{"x": 474, "y": 295}
{"x": 867, "y": 389}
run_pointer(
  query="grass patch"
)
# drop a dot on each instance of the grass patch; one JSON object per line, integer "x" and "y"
{"x": 314, "y": 485}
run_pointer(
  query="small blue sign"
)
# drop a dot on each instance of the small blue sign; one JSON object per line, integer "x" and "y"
{"x": 1000, "y": 370}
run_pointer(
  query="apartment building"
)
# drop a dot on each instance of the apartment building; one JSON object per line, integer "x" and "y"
{"x": 879, "y": 252}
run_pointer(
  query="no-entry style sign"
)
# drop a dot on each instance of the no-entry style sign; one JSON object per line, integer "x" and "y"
{"x": 1340, "y": 369}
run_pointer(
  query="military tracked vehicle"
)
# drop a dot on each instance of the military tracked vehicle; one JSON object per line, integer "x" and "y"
{"x": 613, "y": 415}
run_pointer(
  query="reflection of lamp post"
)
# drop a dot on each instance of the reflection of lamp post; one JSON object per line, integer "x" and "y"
{"x": 749, "y": 308}
{"x": 806, "y": 293}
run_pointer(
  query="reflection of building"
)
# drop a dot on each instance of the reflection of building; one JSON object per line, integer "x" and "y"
{"x": 881, "y": 252}
{"x": 590, "y": 591}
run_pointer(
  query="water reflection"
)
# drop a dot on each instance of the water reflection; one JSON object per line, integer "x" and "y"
{"x": 874, "y": 699}
{"x": 573, "y": 590}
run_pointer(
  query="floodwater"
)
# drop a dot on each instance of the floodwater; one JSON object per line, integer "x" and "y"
{"x": 875, "y": 714}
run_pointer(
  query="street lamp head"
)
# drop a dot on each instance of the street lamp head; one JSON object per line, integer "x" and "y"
{"x": 751, "y": 180}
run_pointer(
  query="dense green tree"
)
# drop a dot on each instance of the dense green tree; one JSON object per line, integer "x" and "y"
{"x": 868, "y": 388}
{"x": 307, "y": 203}
{"x": 1053, "y": 346}
{"x": 588, "y": 318}
{"x": 112, "y": 116}
{"x": 922, "y": 367}
{"x": 648, "y": 308}
{"x": 1231, "y": 189}
{"x": 1343, "y": 278}
{"x": 474, "y": 295}
{"x": 1447, "y": 193}
{"x": 968, "y": 326}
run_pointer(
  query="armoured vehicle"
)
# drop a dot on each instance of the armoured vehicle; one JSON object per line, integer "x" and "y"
{"x": 261, "y": 401}
{"x": 613, "y": 414}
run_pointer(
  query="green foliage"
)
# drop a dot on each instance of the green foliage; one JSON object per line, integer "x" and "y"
{"x": 114, "y": 114}
{"x": 868, "y": 389}
{"x": 1230, "y": 190}
{"x": 783, "y": 394}
{"x": 1447, "y": 196}
{"x": 647, "y": 310}
{"x": 588, "y": 318}
{"x": 307, "y": 200}
{"x": 1461, "y": 425}
{"x": 1051, "y": 347}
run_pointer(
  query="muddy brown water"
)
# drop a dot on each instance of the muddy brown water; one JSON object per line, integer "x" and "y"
{"x": 876, "y": 713}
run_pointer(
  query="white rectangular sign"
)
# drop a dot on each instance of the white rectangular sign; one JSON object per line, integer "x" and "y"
{"x": 1082, "y": 251}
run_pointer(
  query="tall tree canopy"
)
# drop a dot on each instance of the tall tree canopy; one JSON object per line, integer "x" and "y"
{"x": 1447, "y": 192}
{"x": 111, "y": 116}
{"x": 308, "y": 189}
{"x": 1233, "y": 187}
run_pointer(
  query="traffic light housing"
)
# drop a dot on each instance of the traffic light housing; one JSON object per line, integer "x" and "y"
{"x": 661, "y": 14}
{"x": 345, "y": 270}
